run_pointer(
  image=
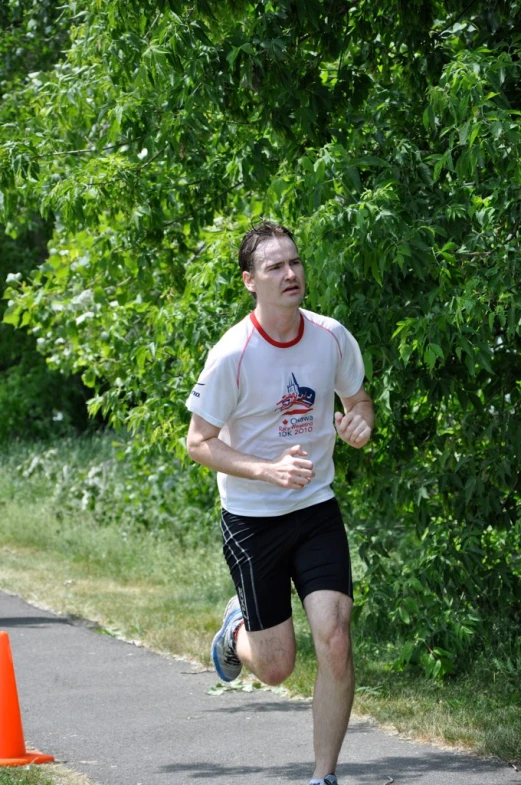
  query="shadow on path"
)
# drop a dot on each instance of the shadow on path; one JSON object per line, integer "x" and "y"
{"x": 258, "y": 707}
{"x": 31, "y": 621}
{"x": 402, "y": 769}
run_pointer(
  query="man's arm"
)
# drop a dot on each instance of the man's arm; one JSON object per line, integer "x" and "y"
{"x": 356, "y": 424}
{"x": 290, "y": 470}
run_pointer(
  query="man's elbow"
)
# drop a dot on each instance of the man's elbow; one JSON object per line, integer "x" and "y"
{"x": 199, "y": 440}
{"x": 193, "y": 446}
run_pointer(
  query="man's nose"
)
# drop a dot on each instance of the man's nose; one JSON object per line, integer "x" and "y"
{"x": 290, "y": 272}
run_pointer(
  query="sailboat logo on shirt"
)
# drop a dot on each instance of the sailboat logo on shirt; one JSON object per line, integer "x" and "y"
{"x": 298, "y": 400}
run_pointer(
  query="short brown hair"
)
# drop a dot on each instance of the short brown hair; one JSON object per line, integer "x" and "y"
{"x": 253, "y": 238}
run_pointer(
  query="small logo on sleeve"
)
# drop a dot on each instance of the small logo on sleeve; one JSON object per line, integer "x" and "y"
{"x": 194, "y": 391}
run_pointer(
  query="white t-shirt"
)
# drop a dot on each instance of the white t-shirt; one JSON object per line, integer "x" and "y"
{"x": 267, "y": 396}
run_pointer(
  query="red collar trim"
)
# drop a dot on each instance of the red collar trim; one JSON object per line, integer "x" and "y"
{"x": 278, "y": 344}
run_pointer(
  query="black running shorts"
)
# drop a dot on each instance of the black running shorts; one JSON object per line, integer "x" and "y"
{"x": 265, "y": 554}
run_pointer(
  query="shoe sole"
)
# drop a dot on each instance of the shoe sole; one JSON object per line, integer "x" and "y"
{"x": 214, "y": 653}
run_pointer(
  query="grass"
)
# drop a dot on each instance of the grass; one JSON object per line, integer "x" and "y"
{"x": 143, "y": 585}
{"x": 139, "y": 587}
{"x": 48, "y": 774}
{"x": 29, "y": 775}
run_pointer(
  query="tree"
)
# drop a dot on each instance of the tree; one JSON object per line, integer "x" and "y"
{"x": 34, "y": 401}
{"x": 391, "y": 139}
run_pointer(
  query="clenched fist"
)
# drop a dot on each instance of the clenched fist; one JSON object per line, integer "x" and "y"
{"x": 353, "y": 429}
{"x": 291, "y": 469}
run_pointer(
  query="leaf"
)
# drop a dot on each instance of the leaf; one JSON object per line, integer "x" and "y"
{"x": 430, "y": 357}
{"x": 438, "y": 351}
{"x": 353, "y": 176}
{"x": 368, "y": 365}
{"x": 279, "y": 185}
{"x": 464, "y": 132}
{"x": 12, "y": 315}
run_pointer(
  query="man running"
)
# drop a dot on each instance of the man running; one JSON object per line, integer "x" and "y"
{"x": 263, "y": 418}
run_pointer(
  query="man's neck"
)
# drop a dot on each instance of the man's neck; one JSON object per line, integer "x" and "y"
{"x": 282, "y": 325}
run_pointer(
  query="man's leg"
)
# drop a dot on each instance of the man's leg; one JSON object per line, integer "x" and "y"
{"x": 258, "y": 554}
{"x": 269, "y": 654}
{"x": 329, "y": 615}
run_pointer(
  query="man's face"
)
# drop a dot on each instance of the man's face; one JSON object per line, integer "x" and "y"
{"x": 278, "y": 279}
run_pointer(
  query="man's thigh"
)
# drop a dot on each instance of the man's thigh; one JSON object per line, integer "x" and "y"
{"x": 328, "y": 611}
{"x": 258, "y": 553}
{"x": 322, "y": 562}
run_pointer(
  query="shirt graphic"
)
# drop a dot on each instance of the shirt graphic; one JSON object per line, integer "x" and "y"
{"x": 298, "y": 400}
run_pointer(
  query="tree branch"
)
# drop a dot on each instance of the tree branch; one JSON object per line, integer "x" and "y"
{"x": 210, "y": 201}
{"x": 90, "y": 150}
{"x": 456, "y": 19}
{"x": 146, "y": 37}
{"x": 147, "y": 163}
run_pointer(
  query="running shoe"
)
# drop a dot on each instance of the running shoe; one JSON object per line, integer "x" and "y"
{"x": 224, "y": 655}
{"x": 330, "y": 779}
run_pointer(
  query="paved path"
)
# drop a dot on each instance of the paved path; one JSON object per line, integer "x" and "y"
{"x": 126, "y": 716}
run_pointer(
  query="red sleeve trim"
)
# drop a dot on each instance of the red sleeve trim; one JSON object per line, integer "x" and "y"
{"x": 278, "y": 344}
{"x": 238, "y": 376}
{"x": 327, "y": 331}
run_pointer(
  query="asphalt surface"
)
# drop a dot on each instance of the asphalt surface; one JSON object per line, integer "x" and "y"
{"x": 124, "y": 715}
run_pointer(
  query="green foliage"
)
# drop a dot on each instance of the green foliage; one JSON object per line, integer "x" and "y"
{"x": 35, "y": 402}
{"x": 33, "y": 31}
{"x": 390, "y": 139}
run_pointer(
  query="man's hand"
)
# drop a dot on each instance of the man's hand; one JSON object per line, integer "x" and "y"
{"x": 290, "y": 470}
{"x": 353, "y": 428}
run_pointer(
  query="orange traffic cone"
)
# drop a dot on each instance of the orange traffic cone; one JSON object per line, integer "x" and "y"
{"x": 12, "y": 745}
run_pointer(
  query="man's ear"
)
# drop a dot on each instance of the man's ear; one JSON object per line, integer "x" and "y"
{"x": 248, "y": 280}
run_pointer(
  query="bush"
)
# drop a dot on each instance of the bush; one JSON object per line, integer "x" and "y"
{"x": 36, "y": 402}
{"x": 123, "y": 486}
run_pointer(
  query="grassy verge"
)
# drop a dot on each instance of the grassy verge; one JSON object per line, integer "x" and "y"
{"x": 48, "y": 774}
{"x": 145, "y": 585}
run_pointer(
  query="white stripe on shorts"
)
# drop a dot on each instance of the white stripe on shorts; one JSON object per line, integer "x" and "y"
{"x": 229, "y": 540}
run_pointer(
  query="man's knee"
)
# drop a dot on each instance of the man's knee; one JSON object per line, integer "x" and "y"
{"x": 275, "y": 663}
{"x": 333, "y": 646}
{"x": 274, "y": 673}
{"x": 333, "y": 649}
{"x": 271, "y": 653}
{"x": 329, "y": 615}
